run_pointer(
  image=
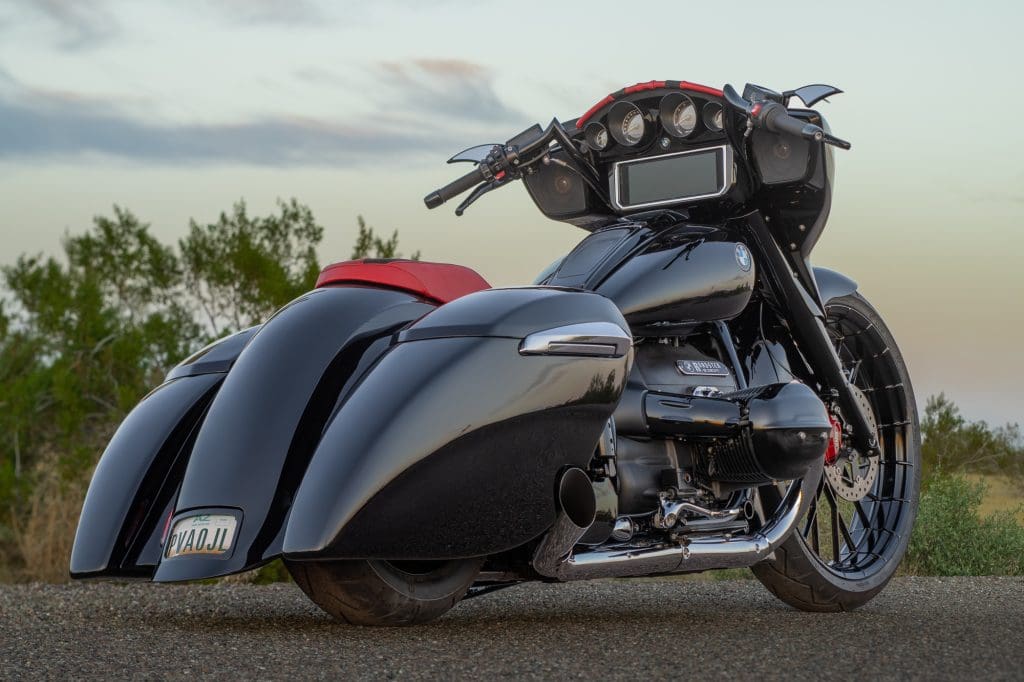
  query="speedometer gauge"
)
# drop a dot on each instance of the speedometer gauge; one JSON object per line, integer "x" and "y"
{"x": 626, "y": 124}
{"x": 714, "y": 117}
{"x": 678, "y": 114}
{"x": 633, "y": 127}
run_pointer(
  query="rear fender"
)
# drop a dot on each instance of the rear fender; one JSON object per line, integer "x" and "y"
{"x": 261, "y": 428}
{"x": 136, "y": 479}
{"x": 132, "y": 490}
{"x": 451, "y": 446}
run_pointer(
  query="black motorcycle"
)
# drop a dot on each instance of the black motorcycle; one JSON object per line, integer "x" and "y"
{"x": 681, "y": 392}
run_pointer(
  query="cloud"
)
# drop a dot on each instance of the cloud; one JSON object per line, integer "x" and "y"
{"x": 45, "y": 124}
{"x": 424, "y": 106}
{"x": 81, "y": 23}
{"x": 270, "y": 11}
{"x": 453, "y": 88}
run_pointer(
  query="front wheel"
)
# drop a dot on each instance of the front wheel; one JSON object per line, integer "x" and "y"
{"x": 857, "y": 526}
{"x": 390, "y": 593}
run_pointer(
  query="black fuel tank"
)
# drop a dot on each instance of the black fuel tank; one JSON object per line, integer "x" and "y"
{"x": 687, "y": 274}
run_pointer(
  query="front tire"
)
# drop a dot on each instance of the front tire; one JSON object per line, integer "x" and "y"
{"x": 387, "y": 593}
{"x": 844, "y": 551}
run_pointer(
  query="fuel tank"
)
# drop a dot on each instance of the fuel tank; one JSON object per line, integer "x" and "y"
{"x": 688, "y": 273}
{"x": 680, "y": 273}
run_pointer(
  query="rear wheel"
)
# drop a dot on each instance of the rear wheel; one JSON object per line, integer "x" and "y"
{"x": 858, "y": 523}
{"x": 391, "y": 593}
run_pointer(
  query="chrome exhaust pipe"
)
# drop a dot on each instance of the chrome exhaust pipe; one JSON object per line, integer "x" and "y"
{"x": 577, "y": 509}
{"x": 696, "y": 554}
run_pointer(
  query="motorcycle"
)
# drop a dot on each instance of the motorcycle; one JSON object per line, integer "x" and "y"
{"x": 682, "y": 392}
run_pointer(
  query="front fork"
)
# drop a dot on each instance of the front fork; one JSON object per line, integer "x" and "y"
{"x": 808, "y": 327}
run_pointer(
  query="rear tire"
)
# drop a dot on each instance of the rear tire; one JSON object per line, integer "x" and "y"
{"x": 844, "y": 552}
{"x": 372, "y": 592}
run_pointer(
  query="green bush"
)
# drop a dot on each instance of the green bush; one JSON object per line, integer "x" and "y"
{"x": 952, "y": 538}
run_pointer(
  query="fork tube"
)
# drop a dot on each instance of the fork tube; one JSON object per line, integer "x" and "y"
{"x": 811, "y": 335}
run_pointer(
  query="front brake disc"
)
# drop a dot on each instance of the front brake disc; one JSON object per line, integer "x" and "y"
{"x": 852, "y": 475}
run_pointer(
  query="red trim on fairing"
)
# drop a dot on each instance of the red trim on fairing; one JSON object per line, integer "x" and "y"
{"x": 703, "y": 89}
{"x": 641, "y": 87}
{"x": 593, "y": 110}
{"x": 440, "y": 282}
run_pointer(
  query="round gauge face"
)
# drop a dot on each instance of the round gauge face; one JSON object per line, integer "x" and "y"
{"x": 714, "y": 117}
{"x": 684, "y": 118}
{"x": 597, "y": 136}
{"x": 633, "y": 126}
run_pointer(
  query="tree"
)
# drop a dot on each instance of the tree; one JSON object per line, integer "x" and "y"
{"x": 954, "y": 445}
{"x": 369, "y": 245}
{"x": 84, "y": 336}
{"x": 240, "y": 269}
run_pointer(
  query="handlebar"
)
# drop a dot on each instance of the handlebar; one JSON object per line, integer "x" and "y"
{"x": 455, "y": 188}
{"x": 774, "y": 117}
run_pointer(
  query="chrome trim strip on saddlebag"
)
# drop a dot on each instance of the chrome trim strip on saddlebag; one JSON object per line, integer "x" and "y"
{"x": 601, "y": 339}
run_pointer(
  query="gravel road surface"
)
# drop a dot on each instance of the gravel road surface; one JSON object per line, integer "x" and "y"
{"x": 924, "y": 628}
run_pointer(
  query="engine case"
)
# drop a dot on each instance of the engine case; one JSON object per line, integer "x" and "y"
{"x": 755, "y": 436}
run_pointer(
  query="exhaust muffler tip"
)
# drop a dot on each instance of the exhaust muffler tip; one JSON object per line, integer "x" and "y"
{"x": 576, "y": 497}
{"x": 577, "y": 510}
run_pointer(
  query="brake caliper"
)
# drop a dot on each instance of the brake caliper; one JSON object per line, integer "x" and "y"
{"x": 835, "y": 442}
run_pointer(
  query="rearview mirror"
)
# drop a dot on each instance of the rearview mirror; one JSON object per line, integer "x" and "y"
{"x": 811, "y": 94}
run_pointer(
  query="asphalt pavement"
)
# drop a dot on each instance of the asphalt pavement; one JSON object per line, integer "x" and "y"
{"x": 922, "y": 628}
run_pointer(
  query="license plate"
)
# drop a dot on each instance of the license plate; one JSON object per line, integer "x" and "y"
{"x": 208, "y": 534}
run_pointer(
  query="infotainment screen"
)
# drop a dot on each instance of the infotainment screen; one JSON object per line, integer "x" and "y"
{"x": 671, "y": 178}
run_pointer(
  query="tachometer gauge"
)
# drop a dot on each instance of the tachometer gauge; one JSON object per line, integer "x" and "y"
{"x": 626, "y": 124}
{"x": 678, "y": 114}
{"x": 714, "y": 117}
{"x": 596, "y": 135}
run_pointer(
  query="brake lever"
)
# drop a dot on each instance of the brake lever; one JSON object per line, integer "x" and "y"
{"x": 835, "y": 141}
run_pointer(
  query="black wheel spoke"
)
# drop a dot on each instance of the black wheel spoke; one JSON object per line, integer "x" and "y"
{"x": 815, "y": 538}
{"x": 812, "y": 517}
{"x": 864, "y": 519}
{"x": 852, "y": 377}
{"x": 846, "y": 533}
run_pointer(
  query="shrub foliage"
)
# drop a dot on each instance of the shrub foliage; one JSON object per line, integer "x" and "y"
{"x": 952, "y": 538}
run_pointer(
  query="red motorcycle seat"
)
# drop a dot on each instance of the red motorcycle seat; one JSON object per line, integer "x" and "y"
{"x": 441, "y": 282}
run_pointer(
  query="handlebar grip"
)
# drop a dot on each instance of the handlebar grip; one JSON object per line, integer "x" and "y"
{"x": 775, "y": 118}
{"x": 454, "y": 188}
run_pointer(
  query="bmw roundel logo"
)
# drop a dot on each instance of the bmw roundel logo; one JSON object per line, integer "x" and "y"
{"x": 743, "y": 257}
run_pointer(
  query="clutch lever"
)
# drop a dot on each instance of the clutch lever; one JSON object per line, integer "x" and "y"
{"x": 479, "y": 191}
{"x": 736, "y": 99}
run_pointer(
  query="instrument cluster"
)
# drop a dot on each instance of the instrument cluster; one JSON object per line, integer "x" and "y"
{"x": 673, "y": 120}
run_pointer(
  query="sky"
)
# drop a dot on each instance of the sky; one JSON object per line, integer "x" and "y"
{"x": 176, "y": 110}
